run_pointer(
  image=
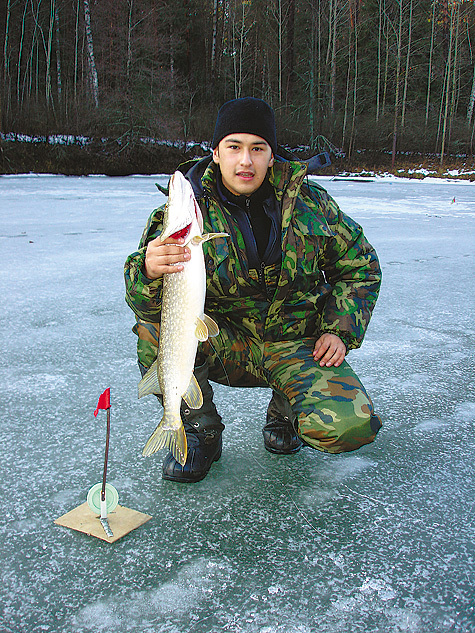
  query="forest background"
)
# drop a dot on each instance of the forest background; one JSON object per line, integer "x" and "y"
{"x": 128, "y": 86}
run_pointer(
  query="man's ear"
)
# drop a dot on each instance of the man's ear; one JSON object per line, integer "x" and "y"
{"x": 271, "y": 162}
{"x": 216, "y": 155}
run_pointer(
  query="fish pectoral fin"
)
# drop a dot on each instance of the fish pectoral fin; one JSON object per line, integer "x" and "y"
{"x": 213, "y": 329}
{"x": 173, "y": 438}
{"x": 193, "y": 396}
{"x": 205, "y": 327}
{"x": 201, "y": 331}
{"x": 201, "y": 239}
{"x": 149, "y": 383}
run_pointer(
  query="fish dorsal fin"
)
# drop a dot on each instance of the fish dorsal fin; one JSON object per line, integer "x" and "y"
{"x": 201, "y": 331}
{"x": 149, "y": 383}
{"x": 192, "y": 395}
{"x": 213, "y": 329}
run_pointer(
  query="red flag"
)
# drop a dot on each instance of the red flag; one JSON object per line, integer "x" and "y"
{"x": 104, "y": 401}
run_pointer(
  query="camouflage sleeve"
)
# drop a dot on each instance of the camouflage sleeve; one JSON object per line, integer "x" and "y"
{"x": 351, "y": 267}
{"x": 143, "y": 295}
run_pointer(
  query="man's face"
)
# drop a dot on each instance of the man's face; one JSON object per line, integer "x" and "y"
{"x": 243, "y": 160}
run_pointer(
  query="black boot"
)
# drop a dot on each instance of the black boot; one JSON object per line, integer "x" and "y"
{"x": 204, "y": 448}
{"x": 279, "y": 433}
{"x": 203, "y": 428}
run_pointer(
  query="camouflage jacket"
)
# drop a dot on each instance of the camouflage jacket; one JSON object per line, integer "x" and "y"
{"x": 328, "y": 280}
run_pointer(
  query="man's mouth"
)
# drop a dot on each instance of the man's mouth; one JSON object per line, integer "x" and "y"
{"x": 247, "y": 175}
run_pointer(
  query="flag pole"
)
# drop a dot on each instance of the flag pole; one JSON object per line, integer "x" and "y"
{"x": 104, "y": 403}
{"x": 106, "y": 456}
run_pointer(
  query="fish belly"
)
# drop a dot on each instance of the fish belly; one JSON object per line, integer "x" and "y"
{"x": 182, "y": 303}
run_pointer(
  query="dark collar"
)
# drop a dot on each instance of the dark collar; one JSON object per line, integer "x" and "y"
{"x": 243, "y": 201}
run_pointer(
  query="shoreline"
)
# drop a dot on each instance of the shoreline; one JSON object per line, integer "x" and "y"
{"x": 110, "y": 158}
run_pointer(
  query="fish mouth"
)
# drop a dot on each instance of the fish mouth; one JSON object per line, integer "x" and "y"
{"x": 176, "y": 232}
{"x": 182, "y": 209}
{"x": 181, "y": 233}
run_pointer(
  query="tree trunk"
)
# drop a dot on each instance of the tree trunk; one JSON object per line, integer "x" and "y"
{"x": 76, "y": 45}
{"x": 290, "y": 15}
{"x": 431, "y": 51}
{"x": 396, "y": 98}
{"x": 20, "y": 53}
{"x": 90, "y": 55}
{"x": 447, "y": 84}
{"x": 5, "y": 92}
{"x": 129, "y": 44}
{"x": 380, "y": 34}
{"x": 471, "y": 101}
{"x": 214, "y": 40}
{"x": 49, "y": 47}
{"x": 406, "y": 74}
{"x": 333, "y": 57}
{"x": 59, "y": 86}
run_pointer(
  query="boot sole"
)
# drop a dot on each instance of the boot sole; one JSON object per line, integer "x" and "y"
{"x": 275, "y": 451}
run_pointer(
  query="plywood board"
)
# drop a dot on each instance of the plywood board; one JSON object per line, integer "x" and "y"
{"x": 121, "y": 521}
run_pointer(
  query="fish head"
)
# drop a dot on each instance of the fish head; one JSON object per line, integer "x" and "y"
{"x": 181, "y": 211}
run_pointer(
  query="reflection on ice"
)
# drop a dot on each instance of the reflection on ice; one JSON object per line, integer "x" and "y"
{"x": 378, "y": 540}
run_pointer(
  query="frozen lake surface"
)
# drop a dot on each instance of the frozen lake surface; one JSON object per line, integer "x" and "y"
{"x": 379, "y": 540}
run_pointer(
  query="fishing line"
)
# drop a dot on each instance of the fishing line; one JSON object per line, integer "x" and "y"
{"x": 291, "y": 499}
{"x": 222, "y": 364}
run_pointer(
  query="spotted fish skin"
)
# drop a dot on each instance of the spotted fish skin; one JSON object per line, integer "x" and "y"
{"x": 183, "y": 323}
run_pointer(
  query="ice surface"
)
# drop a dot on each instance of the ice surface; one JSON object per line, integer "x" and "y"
{"x": 374, "y": 541}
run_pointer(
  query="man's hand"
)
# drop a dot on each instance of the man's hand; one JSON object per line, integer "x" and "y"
{"x": 329, "y": 350}
{"x": 165, "y": 257}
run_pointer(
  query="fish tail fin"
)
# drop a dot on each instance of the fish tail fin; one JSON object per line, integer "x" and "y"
{"x": 165, "y": 437}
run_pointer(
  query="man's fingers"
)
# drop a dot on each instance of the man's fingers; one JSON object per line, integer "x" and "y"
{"x": 165, "y": 257}
{"x": 329, "y": 350}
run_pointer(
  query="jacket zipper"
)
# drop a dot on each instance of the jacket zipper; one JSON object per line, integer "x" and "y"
{"x": 261, "y": 277}
{"x": 262, "y": 265}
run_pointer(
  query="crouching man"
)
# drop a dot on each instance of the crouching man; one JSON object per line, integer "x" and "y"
{"x": 292, "y": 289}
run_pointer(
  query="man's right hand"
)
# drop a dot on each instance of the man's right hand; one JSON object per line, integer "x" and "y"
{"x": 165, "y": 257}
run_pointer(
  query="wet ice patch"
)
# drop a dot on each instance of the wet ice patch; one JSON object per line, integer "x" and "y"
{"x": 340, "y": 468}
{"x": 377, "y": 586}
{"x": 34, "y": 383}
{"x": 376, "y": 601}
{"x": 465, "y": 411}
{"x": 144, "y": 611}
{"x": 432, "y": 424}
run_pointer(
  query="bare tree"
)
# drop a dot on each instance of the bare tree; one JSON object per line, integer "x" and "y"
{"x": 397, "y": 84}
{"x": 90, "y": 53}
{"x": 431, "y": 53}
{"x": 408, "y": 57}
{"x": 444, "y": 104}
{"x": 59, "y": 85}
{"x": 5, "y": 97}
{"x": 471, "y": 101}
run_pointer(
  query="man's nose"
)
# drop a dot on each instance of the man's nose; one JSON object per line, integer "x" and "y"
{"x": 246, "y": 157}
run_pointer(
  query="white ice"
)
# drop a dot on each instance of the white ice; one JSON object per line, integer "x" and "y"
{"x": 379, "y": 540}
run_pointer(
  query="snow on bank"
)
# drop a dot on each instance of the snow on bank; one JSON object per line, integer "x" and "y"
{"x": 354, "y": 177}
{"x": 82, "y": 141}
{"x": 420, "y": 173}
{"x": 387, "y": 177}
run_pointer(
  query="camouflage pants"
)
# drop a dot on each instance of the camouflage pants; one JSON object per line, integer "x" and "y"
{"x": 329, "y": 406}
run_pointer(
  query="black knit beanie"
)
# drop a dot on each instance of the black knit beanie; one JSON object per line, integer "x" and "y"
{"x": 248, "y": 116}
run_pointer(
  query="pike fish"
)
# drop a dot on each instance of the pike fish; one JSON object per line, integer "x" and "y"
{"x": 183, "y": 323}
